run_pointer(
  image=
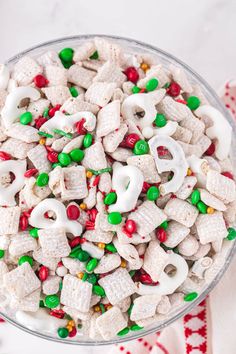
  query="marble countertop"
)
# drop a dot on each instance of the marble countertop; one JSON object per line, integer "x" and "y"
{"x": 201, "y": 33}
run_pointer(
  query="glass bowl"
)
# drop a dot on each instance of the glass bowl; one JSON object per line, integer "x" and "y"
{"x": 166, "y": 59}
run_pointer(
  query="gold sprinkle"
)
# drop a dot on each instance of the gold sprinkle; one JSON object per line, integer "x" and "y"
{"x": 108, "y": 307}
{"x": 71, "y": 323}
{"x": 189, "y": 172}
{"x": 210, "y": 210}
{"x": 83, "y": 206}
{"x": 97, "y": 308}
{"x": 69, "y": 328}
{"x": 123, "y": 263}
{"x": 80, "y": 275}
{"x": 144, "y": 67}
{"x": 101, "y": 245}
{"x": 89, "y": 174}
{"x": 42, "y": 141}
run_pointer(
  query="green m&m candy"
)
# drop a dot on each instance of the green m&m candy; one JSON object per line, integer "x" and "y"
{"x": 52, "y": 301}
{"x": 164, "y": 225}
{"x": 77, "y": 155}
{"x": 26, "y": 118}
{"x": 135, "y": 89}
{"x": 83, "y": 256}
{"x": 94, "y": 56}
{"x": 114, "y": 218}
{"x": 231, "y": 234}
{"x": 2, "y": 253}
{"x": 92, "y": 278}
{"x": 74, "y": 92}
{"x": 195, "y": 197}
{"x": 42, "y": 179}
{"x": 24, "y": 259}
{"x": 110, "y": 198}
{"x": 92, "y": 264}
{"x": 66, "y": 55}
{"x": 63, "y": 332}
{"x": 98, "y": 290}
{"x": 34, "y": 232}
{"x": 111, "y": 248}
{"x": 153, "y": 193}
{"x": 141, "y": 147}
{"x": 193, "y": 102}
{"x": 160, "y": 120}
{"x": 88, "y": 139}
{"x": 152, "y": 84}
{"x": 123, "y": 332}
{"x": 202, "y": 207}
{"x": 64, "y": 159}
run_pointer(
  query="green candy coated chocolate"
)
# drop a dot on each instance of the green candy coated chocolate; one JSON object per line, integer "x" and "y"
{"x": 42, "y": 179}
{"x": 64, "y": 159}
{"x": 136, "y": 327}
{"x": 73, "y": 91}
{"x": 111, "y": 248}
{"x": 114, "y": 218}
{"x": 164, "y": 225}
{"x": 160, "y": 120}
{"x": 135, "y": 89}
{"x": 202, "y": 207}
{"x": 98, "y": 290}
{"x": 34, "y": 232}
{"x": 195, "y": 197}
{"x": 63, "y": 332}
{"x": 110, "y": 198}
{"x": 92, "y": 264}
{"x": 83, "y": 256}
{"x": 52, "y": 301}
{"x": 24, "y": 259}
{"x": 190, "y": 297}
{"x": 231, "y": 234}
{"x": 77, "y": 155}
{"x": 88, "y": 139}
{"x": 193, "y": 102}
{"x": 66, "y": 55}
{"x": 152, "y": 84}
{"x": 123, "y": 332}
{"x": 153, "y": 193}
{"x": 92, "y": 278}
{"x": 94, "y": 56}
{"x": 2, "y": 253}
{"x": 26, "y": 118}
{"x": 141, "y": 147}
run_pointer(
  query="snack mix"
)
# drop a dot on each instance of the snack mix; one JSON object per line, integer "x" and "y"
{"x": 117, "y": 196}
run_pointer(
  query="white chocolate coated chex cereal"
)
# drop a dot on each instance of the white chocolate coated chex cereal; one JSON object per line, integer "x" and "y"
{"x": 54, "y": 242}
{"x": 220, "y": 186}
{"x": 181, "y": 211}
{"x": 211, "y": 228}
{"x": 111, "y": 322}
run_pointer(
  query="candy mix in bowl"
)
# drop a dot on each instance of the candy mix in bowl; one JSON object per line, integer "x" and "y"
{"x": 117, "y": 197}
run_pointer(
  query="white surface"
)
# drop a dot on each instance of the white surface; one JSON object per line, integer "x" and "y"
{"x": 201, "y": 33}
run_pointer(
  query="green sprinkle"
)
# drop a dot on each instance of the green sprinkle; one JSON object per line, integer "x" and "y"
{"x": 85, "y": 276}
{"x": 60, "y": 285}
{"x": 164, "y": 225}
{"x": 152, "y": 84}
{"x": 111, "y": 248}
{"x": 98, "y": 290}
{"x": 63, "y": 332}
{"x": 102, "y": 307}
{"x": 195, "y": 197}
{"x": 190, "y": 297}
{"x": 167, "y": 84}
{"x": 202, "y": 207}
{"x": 135, "y": 327}
{"x": 79, "y": 326}
{"x": 41, "y": 304}
{"x": 61, "y": 132}
{"x": 24, "y": 259}
{"x": 34, "y": 232}
{"x": 46, "y": 135}
{"x": 92, "y": 264}
{"x": 123, "y": 332}
{"x": 94, "y": 55}
{"x": 193, "y": 102}
{"x": 135, "y": 89}
{"x": 2, "y": 253}
{"x": 231, "y": 234}
{"x": 99, "y": 172}
{"x": 45, "y": 112}
{"x": 52, "y": 301}
{"x": 114, "y": 218}
{"x": 73, "y": 91}
{"x": 88, "y": 139}
{"x": 131, "y": 273}
{"x": 110, "y": 198}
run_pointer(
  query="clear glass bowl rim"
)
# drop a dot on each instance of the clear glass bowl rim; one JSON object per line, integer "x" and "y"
{"x": 213, "y": 94}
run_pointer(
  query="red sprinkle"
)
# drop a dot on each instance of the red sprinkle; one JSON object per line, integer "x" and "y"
{"x": 96, "y": 181}
{"x": 27, "y": 213}
{"x": 142, "y": 90}
{"x": 73, "y": 332}
{"x": 57, "y": 313}
{"x": 76, "y": 241}
{"x": 174, "y": 89}
{"x": 228, "y": 174}
{"x": 92, "y": 214}
{"x": 145, "y": 278}
{"x": 210, "y": 151}
{"x": 146, "y": 186}
{"x": 89, "y": 225}
{"x": 72, "y": 212}
{"x": 24, "y": 222}
{"x": 40, "y": 81}
{"x": 130, "y": 226}
{"x": 131, "y": 140}
{"x": 161, "y": 234}
{"x": 132, "y": 74}
{"x": 43, "y": 273}
{"x": 80, "y": 127}
{"x": 40, "y": 121}
{"x": 181, "y": 101}
{"x": 53, "y": 110}
{"x": 4, "y": 156}
{"x": 31, "y": 172}
{"x": 52, "y": 156}
{"x": 60, "y": 264}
